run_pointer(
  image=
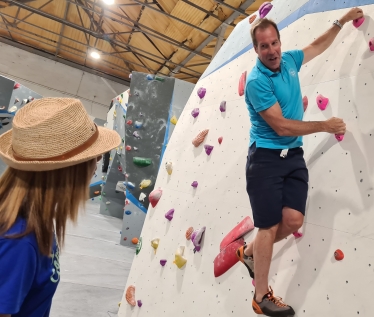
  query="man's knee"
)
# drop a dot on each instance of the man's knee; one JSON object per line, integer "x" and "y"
{"x": 292, "y": 218}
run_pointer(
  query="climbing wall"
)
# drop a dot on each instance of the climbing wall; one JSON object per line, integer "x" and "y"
{"x": 340, "y": 209}
{"x": 13, "y": 96}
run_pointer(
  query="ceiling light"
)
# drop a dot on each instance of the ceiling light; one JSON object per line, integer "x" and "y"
{"x": 95, "y": 55}
{"x": 108, "y": 1}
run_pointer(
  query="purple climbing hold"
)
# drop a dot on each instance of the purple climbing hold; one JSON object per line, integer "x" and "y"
{"x": 201, "y": 92}
{"x": 140, "y": 303}
{"x": 169, "y": 215}
{"x": 208, "y": 148}
{"x": 136, "y": 134}
{"x": 163, "y": 262}
{"x": 194, "y": 184}
{"x": 222, "y": 106}
{"x": 195, "y": 112}
{"x": 196, "y": 238}
{"x": 264, "y": 9}
{"x": 371, "y": 44}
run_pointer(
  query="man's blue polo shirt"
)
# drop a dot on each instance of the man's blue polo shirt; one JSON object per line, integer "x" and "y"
{"x": 264, "y": 88}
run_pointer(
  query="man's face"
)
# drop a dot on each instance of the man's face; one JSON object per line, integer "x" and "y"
{"x": 268, "y": 48}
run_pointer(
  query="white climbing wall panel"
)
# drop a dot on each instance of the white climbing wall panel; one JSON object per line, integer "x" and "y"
{"x": 340, "y": 209}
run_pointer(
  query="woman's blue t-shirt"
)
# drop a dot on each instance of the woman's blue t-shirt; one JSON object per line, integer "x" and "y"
{"x": 28, "y": 279}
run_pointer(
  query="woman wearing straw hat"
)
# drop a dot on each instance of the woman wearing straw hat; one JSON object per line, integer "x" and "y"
{"x": 51, "y": 153}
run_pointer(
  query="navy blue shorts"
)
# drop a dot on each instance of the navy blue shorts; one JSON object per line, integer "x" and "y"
{"x": 274, "y": 182}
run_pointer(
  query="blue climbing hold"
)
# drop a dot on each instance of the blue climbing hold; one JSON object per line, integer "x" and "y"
{"x": 128, "y": 212}
{"x": 150, "y": 77}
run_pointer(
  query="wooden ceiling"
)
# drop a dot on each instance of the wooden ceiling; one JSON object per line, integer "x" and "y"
{"x": 168, "y": 37}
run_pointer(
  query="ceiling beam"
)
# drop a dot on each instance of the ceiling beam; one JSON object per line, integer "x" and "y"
{"x": 95, "y": 34}
{"x": 29, "y": 15}
{"x": 231, "y": 18}
{"x": 239, "y": 10}
{"x": 67, "y": 4}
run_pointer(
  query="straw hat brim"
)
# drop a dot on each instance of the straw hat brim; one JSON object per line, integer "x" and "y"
{"x": 106, "y": 141}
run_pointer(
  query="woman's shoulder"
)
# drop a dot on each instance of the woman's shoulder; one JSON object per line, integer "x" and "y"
{"x": 18, "y": 227}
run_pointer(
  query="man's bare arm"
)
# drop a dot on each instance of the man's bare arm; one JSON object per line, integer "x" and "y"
{"x": 319, "y": 45}
{"x": 286, "y": 127}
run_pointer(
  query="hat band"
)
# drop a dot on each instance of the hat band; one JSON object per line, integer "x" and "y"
{"x": 66, "y": 155}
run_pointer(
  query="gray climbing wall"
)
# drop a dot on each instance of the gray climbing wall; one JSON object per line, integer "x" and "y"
{"x": 11, "y": 95}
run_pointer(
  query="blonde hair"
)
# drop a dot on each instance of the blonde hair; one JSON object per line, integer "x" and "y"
{"x": 262, "y": 24}
{"x": 45, "y": 200}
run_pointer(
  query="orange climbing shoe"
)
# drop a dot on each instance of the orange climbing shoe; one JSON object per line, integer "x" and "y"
{"x": 272, "y": 306}
{"x": 246, "y": 260}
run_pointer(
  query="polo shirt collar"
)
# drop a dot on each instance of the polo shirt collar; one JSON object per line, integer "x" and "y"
{"x": 266, "y": 70}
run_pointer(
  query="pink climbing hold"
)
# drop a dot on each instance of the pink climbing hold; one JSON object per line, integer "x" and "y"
{"x": 356, "y": 23}
{"x": 194, "y": 184}
{"x": 339, "y": 137}
{"x": 297, "y": 234}
{"x": 305, "y": 102}
{"x": 140, "y": 304}
{"x": 220, "y": 140}
{"x": 208, "y": 148}
{"x": 371, "y": 44}
{"x": 222, "y": 106}
{"x": 169, "y": 215}
{"x": 322, "y": 102}
{"x": 163, "y": 262}
{"x": 253, "y": 283}
{"x": 264, "y": 9}
{"x": 201, "y": 92}
{"x": 16, "y": 86}
{"x": 155, "y": 196}
{"x": 195, "y": 112}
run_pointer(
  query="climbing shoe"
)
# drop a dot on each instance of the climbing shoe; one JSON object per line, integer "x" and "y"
{"x": 246, "y": 260}
{"x": 272, "y": 306}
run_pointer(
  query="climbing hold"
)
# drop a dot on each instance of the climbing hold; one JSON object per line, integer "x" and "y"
{"x": 120, "y": 168}
{"x": 135, "y": 148}
{"x": 169, "y": 167}
{"x": 145, "y": 183}
{"x": 154, "y": 243}
{"x": 130, "y": 75}
{"x": 200, "y": 138}
{"x": 241, "y": 85}
{"x": 339, "y": 137}
{"x": 194, "y": 184}
{"x": 12, "y": 109}
{"x": 141, "y": 114}
{"x": 163, "y": 262}
{"x": 140, "y": 303}
{"x": 195, "y": 112}
{"x": 253, "y": 283}
{"x": 220, "y": 140}
{"x": 127, "y": 228}
{"x": 159, "y": 78}
{"x": 108, "y": 203}
{"x": 201, "y": 92}
{"x": 150, "y": 77}
{"x": 297, "y": 234}
{"x": 129, "y": 122}
{"x": 130, "y": 295}
{"x": 142, "y": 196}
{"x": 155, "y": 196}
{"x": 138, "y": 124}
{"x": 134, "y": 240}
{"x": 139, "y": 245}
{"x": 252, "y": 18}
{"x": 16, "y": 86}
{"x": 180, "y": 260}
{"x": 24, "y": 101}
{"x": 127, "y": 203}
{"x": 142, "y": 161}
{"x": 339, "y": 255}
{"x": 222, "y": 106}
{"x": 97, "y": 192}
{"x": 174, "y": 120}
{"x": 264, "y": 9}
{"x": 356, "y": 23}
{"x": 208, "y": 148}
{"x": 189, "y": 233}
{"x": 128, "y": 212}
{"x": 322, "y": 102}
{"x": 129, "y": 185}
{"x": 305, "y": 102}
{"x": 169, "y": 215}
{"x": 115, "y": 114}
{"x": 371, "y": 44}
{"x": 136, "y": 93}
{"x": 16, "y": 100}
{"x": 125, "y": 238}
{"x": 196, "y": 238}
{"x": 136, "y": 134}
{"x": 128, "y": 148}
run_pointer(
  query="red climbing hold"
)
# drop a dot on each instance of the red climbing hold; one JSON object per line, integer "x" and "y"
{"x": 125, "y": 238}
{"x": 297, "y": 234}
{"x": 16, "y": 86}
{"x": 356, "y": 23}
{"x": 120, "y": 168}
{"x": 371, "y": 44}
{"x": 305, "y": 102}
{"x": 339, "y": 255}
{"x": 129, "y": 122}
{"x": 238, "y": 231}
{"x": 322, "y": 102}
{"x": 242, "y": 81}
{"x": 155, "y": 196}
{"x": 220, "y": 140}
{"x": 128, "y": 148}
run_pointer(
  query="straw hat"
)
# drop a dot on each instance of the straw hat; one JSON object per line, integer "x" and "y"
{"x": 52, "y": 133}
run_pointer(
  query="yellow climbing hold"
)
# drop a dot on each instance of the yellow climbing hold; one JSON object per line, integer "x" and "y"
{"x": 174, "y": 120}
{"x": 115, "y": 114}
{"x": 145, "y": 183}
{"x": 180, "y": 260}
{"x": 154, "y": 243}
{"x": 169, "y": 167}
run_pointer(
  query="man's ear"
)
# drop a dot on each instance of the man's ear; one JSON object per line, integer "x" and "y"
{"x": 255, "y": 47}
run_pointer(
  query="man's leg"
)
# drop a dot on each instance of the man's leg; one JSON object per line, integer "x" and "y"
{"x": 292, "y": 220}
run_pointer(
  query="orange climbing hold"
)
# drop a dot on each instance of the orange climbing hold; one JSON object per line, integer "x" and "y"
{"x": 97, "y": 192}
{"x": 252, "y": 18}
{"x": 339, "y": 255}
{"x": 130, "y": 295}
{"x": 200, "y": 138}
{"x": 242, "y": 80}
{"x": 134, "y": 240}
{"x": 189, "y": 233}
